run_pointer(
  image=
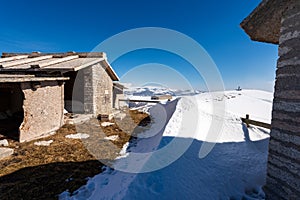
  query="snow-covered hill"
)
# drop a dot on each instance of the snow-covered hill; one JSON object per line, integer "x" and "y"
{"x": 235, "y": 168}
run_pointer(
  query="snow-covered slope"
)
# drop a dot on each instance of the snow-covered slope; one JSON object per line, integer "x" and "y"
{"x": 235, "y": 168}
{"x": 258, "y": 104}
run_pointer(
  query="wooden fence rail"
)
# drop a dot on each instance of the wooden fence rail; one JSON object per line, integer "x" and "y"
{"x": 143, "y": 101}
{"x": 248, "y": 121}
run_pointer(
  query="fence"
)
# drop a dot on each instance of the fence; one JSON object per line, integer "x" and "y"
{"x": 248, "y": 121}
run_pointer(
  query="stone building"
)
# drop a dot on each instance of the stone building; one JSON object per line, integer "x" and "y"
{"x": 36, "y": 87}
{"x": 278, "y": 22}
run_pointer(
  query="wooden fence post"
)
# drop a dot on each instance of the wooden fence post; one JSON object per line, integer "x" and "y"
{"x": 247, "y": 120}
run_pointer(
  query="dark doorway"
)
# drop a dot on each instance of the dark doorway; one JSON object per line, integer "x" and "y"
{"x": 74, "y": 92}
{"x": 11, "y": 110}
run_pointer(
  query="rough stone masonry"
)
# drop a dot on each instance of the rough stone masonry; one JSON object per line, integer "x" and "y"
{"x": 43, "y": 109}
{"x": 283, "y": 178}
{"x": 278, "y": 22}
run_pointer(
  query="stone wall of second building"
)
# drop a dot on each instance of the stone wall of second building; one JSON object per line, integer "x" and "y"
{"x": 88, "y": 91}
{"x": 98, "y": 90}
{"x": 43, "y": 109}
{"x": 117, "y": 95}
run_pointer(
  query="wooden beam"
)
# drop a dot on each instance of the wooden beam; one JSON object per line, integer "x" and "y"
{"x": 13, "y": 58}
{"x": 110, "y": 71}
{"x": 31, "y": 79}
{"x": 15, "y": 75}
{"x": 248, "y": 121}
{"x": 53, "y": 62}
{"x": 136, "y": 100}
{"x": 24, "y": 61}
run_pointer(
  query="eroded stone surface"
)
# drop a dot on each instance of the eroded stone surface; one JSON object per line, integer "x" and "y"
{"x": 5, "y": 152}
{"x": 43, "y": 110}
{"x": 3, "y": 143}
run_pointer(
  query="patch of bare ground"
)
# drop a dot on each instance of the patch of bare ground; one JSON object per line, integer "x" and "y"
{"x": 43, "y": 172}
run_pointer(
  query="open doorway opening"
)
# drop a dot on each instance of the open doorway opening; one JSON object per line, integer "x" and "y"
{"x": 74, "y": 92}
{"x": 11, "y": 110}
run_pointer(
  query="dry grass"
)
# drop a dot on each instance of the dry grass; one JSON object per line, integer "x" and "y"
{"x": 43, "y": 172}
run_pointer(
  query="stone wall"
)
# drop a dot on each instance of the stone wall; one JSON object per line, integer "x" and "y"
{"x": 43, "y": 109}
{"x": 98, "y": 87}
{"x": 118, "y": 94}
{"x": 88, "y": 90}
{"x": 283, "y": 177}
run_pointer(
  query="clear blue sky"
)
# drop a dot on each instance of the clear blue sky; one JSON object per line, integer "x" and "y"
{"x": 70, "y": 25}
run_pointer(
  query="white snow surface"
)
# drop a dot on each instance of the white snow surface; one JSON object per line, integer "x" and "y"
{"x": 235, "y": 168}
{"x": 112, "y": 137}
{"x": 106, "y": 124}
{"x": 43, "y": 143}
{"x": 78, "y": 136}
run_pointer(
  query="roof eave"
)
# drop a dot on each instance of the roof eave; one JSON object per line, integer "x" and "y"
{"x": 113, "y": 75}
{"x": 25, "y": 78}
{"x": 264, "y": 23}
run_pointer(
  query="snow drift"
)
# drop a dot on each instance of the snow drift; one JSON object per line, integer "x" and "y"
{"x": 234, "y": 169}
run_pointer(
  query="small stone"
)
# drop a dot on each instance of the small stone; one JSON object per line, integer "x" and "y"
{"x": 60, "y": 159}
{"x": 4, "y": 143}
{"x": 5, "y": 152}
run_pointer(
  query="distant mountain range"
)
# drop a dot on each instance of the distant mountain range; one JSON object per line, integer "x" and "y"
{"x": 150, "y": 91}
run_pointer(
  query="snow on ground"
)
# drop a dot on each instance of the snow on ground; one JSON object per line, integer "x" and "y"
{"x": 78, "y": 136}
{"x": 106, "y": 124}
{"x": 112, "y": 137}
{"x": 258, "y": 104}
{"x": 123, "y": 153}
{"x": 43, "y": 143}
{"x": 167, "y": 154}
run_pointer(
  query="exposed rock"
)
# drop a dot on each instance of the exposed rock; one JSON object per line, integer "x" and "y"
{"x": 3, "y": 143}
{"x": 5, "y": 152}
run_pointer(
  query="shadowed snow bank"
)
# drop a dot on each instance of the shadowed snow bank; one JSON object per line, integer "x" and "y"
{"x": 234, "y": 169}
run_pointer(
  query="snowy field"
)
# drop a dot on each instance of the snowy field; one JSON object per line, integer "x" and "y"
{"x": 166, "y": 162}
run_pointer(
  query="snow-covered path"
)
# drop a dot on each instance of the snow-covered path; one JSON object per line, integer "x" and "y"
{"x": 234, "y": 169}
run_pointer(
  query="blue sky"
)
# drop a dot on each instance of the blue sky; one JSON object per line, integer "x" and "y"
{"x": 70, "y": 25}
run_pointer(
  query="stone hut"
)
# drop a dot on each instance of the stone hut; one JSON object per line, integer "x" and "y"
{"x": 36, "y": 87}
{"x": 278, "y": 22}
